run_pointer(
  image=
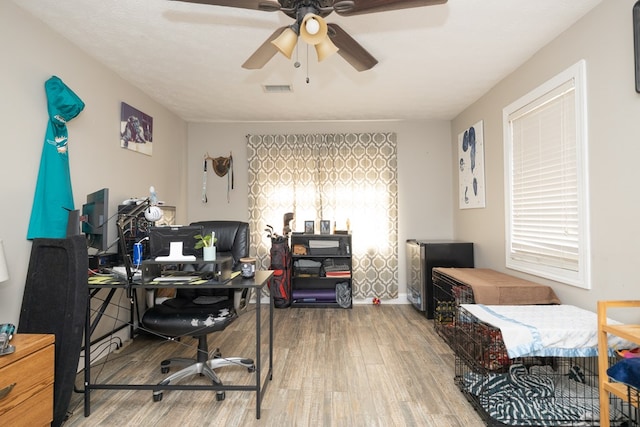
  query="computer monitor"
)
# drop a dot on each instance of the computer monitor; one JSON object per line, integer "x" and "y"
{"x": 174, "y": 243}
{"x": 95, "y": 220}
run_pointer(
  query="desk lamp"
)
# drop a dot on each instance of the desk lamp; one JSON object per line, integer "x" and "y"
{"x": 4, "y": 271}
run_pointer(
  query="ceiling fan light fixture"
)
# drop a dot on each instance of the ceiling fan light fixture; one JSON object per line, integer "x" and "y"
{"x": 313, "y": 22}
{"x": 286, "y": 42}
{"x": 315, "y": 32}
{"x": 312, "y": 26}
{"x": 325, "y": 49}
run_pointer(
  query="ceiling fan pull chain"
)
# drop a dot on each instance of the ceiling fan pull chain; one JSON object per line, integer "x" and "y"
{"x": 297, "y": 63}
{"x": 307, "y": 63}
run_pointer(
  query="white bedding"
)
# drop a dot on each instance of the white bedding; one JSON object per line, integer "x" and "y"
{"x": 545, "y": 330}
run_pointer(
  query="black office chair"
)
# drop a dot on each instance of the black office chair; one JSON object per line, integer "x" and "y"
{"x": 211, "y": 310}
{"x": 232, "y": 240}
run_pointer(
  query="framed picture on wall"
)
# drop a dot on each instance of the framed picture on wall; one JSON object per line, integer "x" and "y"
{"x": 309, "y": 227}
{"x": 136, "y": 130}
{"x": 471, "y": 167}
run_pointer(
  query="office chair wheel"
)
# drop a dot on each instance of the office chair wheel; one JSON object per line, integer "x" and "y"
{"x": 220, "y": 396}
{"x": 217, "y": 354}
{"x": 251, "y": 369}
{"x": 157, "y": 396}
{"x": 164, "y": 366}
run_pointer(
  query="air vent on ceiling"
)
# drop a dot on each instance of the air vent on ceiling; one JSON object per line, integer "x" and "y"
{"x": 277, "y": 88}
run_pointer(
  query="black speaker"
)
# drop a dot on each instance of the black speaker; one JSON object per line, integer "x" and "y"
{"x": 55, "y": 302}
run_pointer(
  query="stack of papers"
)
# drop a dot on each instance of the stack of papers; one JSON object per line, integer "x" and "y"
{"x": 121, "y": 271}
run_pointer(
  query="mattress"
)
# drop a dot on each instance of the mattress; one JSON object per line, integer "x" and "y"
{"x": 545, "y": 330}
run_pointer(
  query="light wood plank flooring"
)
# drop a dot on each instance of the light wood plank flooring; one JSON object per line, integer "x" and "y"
{"x": 367, "y": 366}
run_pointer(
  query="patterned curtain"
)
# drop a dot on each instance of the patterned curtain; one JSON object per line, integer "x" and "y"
{"x": 344, "y": 178}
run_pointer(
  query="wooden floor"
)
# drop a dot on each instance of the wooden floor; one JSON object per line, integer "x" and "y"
{"x": 367, "y": 366}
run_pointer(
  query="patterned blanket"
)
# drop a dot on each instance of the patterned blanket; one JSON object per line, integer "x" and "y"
{"x": 537, "y": 397}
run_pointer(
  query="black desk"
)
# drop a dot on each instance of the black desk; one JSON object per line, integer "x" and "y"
{"x": 258, "y": 283}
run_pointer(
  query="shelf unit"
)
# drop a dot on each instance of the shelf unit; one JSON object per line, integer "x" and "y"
{"x": 627, "y": 332}
{"x": 314, "y": 258}
{"x": 219, "y": 270}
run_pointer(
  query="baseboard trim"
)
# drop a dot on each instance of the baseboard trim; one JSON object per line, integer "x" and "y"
{"x": 402, "y": 299}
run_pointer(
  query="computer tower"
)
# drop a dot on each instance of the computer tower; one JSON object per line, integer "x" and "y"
{"x": 136, "y": 231}
{"x": 138, "y": 228}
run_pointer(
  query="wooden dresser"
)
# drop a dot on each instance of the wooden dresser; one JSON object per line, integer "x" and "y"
{"x": 30, "y": 368}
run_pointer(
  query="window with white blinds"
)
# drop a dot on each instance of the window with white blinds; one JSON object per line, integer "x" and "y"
{"x": 546, "y": 197}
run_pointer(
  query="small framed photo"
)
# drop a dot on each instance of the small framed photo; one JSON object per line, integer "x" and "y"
{"x": 325, "y": 227}
{"x": 309, "y": 227}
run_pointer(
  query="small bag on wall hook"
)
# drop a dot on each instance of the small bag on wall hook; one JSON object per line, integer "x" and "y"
{"x": 222, "y": 165}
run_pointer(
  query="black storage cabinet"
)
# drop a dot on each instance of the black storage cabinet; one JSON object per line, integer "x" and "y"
{"x": 422, "y": 257}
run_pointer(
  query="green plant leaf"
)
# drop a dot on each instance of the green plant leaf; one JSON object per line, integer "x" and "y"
{"x": 204, "y": 241}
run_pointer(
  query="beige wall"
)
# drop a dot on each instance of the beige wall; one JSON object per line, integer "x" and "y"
{"x": 175, "y": 168}
{"x": 31, "y": 54}
{"x": 424, "y": 174}
{"x": 604, "y": 38}
{"x": 426, "y": 150}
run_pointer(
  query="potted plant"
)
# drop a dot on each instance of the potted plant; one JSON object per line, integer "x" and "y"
{"x": 207, "y": 244}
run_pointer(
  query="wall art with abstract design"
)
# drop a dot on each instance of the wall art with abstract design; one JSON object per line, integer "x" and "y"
{"x": 471, "y": 167}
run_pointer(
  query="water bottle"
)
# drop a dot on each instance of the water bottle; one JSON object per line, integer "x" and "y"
{"x": 137, "y": 254}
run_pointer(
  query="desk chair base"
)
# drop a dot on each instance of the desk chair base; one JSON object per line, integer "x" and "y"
{"x": 205, "y": 368}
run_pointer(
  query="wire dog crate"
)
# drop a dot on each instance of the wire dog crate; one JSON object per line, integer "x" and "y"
{"x": 448, "y": 294}
{"x": 528, "y": 391}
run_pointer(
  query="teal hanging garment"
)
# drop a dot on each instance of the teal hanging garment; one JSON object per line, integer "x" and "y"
{"x": 53, "y": 198}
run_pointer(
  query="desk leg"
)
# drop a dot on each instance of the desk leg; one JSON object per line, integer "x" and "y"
{"x": 133, "y": 307}
{"x": 271, "y": 306}
{"x": 258, "y": 361}
{"x": 88, "y": 331}
{"x": 259, "y": 389}
{"x": 87, "y": 358}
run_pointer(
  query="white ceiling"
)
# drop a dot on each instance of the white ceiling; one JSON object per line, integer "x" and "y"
{"x": 433, "y": 61}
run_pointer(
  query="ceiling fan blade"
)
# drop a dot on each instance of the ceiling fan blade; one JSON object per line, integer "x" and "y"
{"x": 359, "y": 7}
{"x": 350, "y": 49}
{"x": 264, "y": 53}
{"x": 264, "y": 5}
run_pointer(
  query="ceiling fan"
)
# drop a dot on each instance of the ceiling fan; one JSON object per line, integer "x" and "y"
{"x": 310, "y": 25}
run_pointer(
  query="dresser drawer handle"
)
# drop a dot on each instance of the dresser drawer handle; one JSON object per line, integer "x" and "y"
{"x": 5, "y": 391}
